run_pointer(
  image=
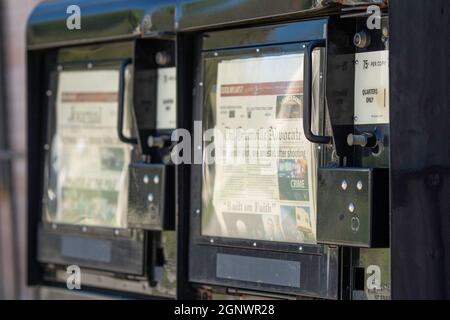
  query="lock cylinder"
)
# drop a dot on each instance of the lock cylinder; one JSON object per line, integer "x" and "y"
{"x": 366, "y": 140}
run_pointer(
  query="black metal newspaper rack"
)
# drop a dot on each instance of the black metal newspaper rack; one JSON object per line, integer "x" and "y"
{"x": 203, "y": 150}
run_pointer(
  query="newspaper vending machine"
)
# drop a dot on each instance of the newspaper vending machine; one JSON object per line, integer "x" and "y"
{"x": 238, "y": 149}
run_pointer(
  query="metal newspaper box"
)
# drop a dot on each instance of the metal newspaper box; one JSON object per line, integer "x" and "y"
{"x": 231, "y": 149}
{"x": 102, "y": 107}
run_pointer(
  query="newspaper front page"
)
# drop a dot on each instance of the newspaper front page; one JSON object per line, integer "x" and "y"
{"x": 265, "y": 168}
{"x": 89, "y": 162}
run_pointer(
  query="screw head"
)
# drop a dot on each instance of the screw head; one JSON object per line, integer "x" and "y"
{"x": 51, "y": 194}
{"x": 351, "y": 207}
{"x": 344, "y": 185}
{"x": 150, "y": 197}
{"x": 156, "y": 179}
{"x": 359, "y": 185}
{"x": 146, "y": 179}
{"x": 116, "y": 232}
{"x": 162, "y": 58}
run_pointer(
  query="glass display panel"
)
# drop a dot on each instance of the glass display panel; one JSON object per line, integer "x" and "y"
{"x": 259, "y": 171}
{"x": 87, "y": 165}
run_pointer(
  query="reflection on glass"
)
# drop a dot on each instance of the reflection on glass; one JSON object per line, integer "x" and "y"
{"x": 87, "y": 164}
{"x": 261, "y": 186}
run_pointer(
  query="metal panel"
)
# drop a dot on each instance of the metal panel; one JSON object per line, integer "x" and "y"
{"x": 245, "y": 268}
{"x": 352, "y": 207}
{"x": 265, "y": 35}
{"x": 150, "y": 205}
{"x": 195, "y": 14}
{"x": 86, "y": 248}
{"x": 372, "y": 275}
{"x": 122, "y": 254}
{"x": 420, "y": 153}
{"x": 318, "y": 274}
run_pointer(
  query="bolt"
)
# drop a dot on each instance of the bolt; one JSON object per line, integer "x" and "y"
{"x": 344, "y": 185}
{"x": 361, "y": 39}
{"x": 150, "y": 197}
{"x": 351, "y": 207}
{"x": 156, "y": 179}
{"x": 146, "y": 179}
{"x": 359, "y": 185}
{"x": 162, "y": 58}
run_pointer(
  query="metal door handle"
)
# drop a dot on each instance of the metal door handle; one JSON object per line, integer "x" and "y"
{"x": 307, "y": 94}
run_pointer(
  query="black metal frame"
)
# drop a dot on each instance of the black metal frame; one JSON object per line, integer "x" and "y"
{"x": 50, "y": 231}
{"x": 196, "y": 226}
{"x": 90, "y": 56}
{"x": 49, "y": 116}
